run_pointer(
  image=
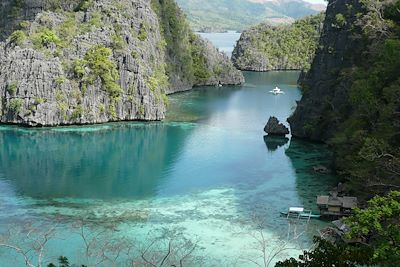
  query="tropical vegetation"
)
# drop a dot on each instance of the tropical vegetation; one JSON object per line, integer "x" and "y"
{"x": 367, "y": 142}
{"x": 378, "y": 225}
{"x": 279, "y": 47}
{"x": 222, "y": 15}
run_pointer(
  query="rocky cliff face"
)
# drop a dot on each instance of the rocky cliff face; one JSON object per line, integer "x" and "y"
{"x": 352, "y": 92}
{"x": 325, "y": 101}
{"x": 290, "y": 47}
{"x": 218, "y": 66}
{"x": 90, "y": 62}
{"x": 13, "y": 12}
{"x": 190, "y": 59}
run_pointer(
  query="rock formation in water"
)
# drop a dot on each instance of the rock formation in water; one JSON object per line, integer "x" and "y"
{"x": 288, "y": 47}
{"x": 97, "y": 61}
{"x": 274, "y": 127}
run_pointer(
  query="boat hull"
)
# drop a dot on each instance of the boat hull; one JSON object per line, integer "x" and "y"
{"x": 303, "y": 215}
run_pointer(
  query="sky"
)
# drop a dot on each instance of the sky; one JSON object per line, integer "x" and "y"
{"x": 316, "y": 1}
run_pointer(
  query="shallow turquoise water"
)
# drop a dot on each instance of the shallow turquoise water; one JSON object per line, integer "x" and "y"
{"x": 206, "y": 171}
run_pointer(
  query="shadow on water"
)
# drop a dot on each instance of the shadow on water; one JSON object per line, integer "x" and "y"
{"x": 119, "y": 162}
{"x": 275, "y": 142}
{"x": 199, "y": 103}
{"x": 304, "y": 156}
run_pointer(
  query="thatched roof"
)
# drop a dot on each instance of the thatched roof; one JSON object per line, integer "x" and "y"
{"x": 345, "y": 202}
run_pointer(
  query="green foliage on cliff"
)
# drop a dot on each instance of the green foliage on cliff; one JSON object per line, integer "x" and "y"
{"x": 18, "y": 37}
{"x": 182, "y": 49}
{"x": 45, "y": 37}
{"x": 100, "y": 64}
{"x": 158, "y": 83}
{"x": 200, "y": 70}
{"x": 12, "y": 87}
{"x": 16, "y": 105}
{"x": 84, "y": 5}
{"x": 142, "y": 32}
{"x": 283, "y": 47}
{"x": 367, "y": 143}
{"x": 340, "y": 20}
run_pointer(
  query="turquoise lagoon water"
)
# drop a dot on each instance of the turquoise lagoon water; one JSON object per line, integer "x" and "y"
{"x": 206, "y": 172}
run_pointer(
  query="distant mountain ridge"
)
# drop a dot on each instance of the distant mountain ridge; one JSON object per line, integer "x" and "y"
{"x": 222, "y": 15}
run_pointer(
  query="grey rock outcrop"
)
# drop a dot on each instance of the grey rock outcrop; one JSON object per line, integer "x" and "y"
{"x": 13, "y": 12}
{"x": 38, "y": 83}
{"x": 274, "y": 127}
{"x": 100, "y": 62}
{"x": 325, "y": 101}
{"x": 219, "y": 66}
{"x": 247, "y": 56}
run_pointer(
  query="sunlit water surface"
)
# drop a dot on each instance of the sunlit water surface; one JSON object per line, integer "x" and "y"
{"x": 206, "y": 171}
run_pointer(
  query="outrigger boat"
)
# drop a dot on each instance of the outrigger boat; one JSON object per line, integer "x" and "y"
{"x": 299, "y": 213}
{"x": 276, "y": 91}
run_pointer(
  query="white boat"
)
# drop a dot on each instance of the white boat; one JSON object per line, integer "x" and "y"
{"x": 299, "y": 213}
{"x": 276, "y": 91}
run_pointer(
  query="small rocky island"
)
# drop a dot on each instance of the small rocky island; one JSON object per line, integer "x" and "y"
{"x": 275, "y": 128}
{"x": 83, "y": 61}
{"x": 288, "y": 47}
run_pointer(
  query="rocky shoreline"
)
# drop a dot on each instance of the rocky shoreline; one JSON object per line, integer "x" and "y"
{"x": 90, "y": 62}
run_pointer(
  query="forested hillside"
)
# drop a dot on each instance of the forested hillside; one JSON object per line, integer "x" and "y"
{"x": 286, "y": 47}
{"x": 222, "y": 15}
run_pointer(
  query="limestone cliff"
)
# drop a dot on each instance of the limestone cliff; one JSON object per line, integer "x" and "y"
{"x": 351, "y": 94}
{"x": 190, "y": 59}
{"x": 324, "y": 104}
{"x": 94, "y": 61}
{"x": 289, "y": 47}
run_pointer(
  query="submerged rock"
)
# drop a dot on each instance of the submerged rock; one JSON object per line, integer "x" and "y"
{"x": 321, "y": 169}
{"x": 274, "y": 127}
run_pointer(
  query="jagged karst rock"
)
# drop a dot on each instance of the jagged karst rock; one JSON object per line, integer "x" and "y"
{"x": 290, "y": 47}
{"x": 40, "y": 86}
{"x": 324, "y": 90}
{"x": 73, "y": 63}
{"x": 274, "y": 127}
{"x": 219, "y": 64}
